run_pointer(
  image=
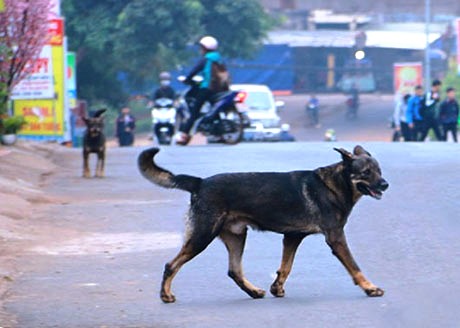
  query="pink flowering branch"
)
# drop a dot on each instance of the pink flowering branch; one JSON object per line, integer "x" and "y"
{"x": 23, "y": 33}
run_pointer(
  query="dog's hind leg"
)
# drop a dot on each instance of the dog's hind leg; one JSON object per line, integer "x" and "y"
{"x": 338, "y": 243}
{"x": 196, "y": 241}
{"x": 290, "y": 244}
{"x": 235, "y": 246}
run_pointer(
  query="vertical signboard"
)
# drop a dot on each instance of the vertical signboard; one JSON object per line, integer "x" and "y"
{"x": 46, "y": 117}
{"x": 71, "y": 77}
{"x": 407, "y": 76}
{"x": 56, "y": 31}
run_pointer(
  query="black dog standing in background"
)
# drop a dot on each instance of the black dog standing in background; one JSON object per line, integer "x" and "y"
{"x": 94, "y": 142}
{"x": 295, "y": 204}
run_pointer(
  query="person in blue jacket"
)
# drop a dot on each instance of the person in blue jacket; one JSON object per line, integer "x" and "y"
{"x": 208, "y": 48}
{"x": 414, "y": 118}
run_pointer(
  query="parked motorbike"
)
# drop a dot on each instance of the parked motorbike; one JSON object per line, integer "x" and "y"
{"x": 164, "y": 120}
{"x": 219, "y": 121}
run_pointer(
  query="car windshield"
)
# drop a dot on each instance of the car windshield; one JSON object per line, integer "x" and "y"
{"x": 258, "y": 101}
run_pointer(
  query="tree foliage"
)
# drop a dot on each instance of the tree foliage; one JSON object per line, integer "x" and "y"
{"x": 239, "y": 25}
{"x": 139, "y": 38}
{"x": 23, "y": 33}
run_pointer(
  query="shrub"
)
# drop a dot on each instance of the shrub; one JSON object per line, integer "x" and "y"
{"x": 12, "y": 124}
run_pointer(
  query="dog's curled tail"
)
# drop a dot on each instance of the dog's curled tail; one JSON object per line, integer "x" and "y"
{"x": 162, "y": 177}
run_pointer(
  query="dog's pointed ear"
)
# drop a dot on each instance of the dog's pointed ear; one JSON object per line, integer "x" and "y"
{"x": 100, "y": 112}
{"x": 360, "y": 151}
{"x": 346, "y": 155}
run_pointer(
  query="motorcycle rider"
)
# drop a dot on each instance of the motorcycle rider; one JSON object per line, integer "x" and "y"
{"x": 208, "y": 48}
{"x": 165, "y": 90}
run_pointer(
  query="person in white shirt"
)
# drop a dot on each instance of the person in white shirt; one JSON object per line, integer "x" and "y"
{"x": 401, "y": 128}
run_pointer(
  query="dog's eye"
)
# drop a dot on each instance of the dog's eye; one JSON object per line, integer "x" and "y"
{"x": 366, "y": 172}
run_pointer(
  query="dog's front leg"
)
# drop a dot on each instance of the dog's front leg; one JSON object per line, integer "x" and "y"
{"x": 290, "y": 245}
{"x": 86, "y": 172}
{"x": 100, "y": 164}
{"x": 338, "y": 243}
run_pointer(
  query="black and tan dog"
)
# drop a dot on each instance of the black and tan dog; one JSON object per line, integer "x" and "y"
{"x": 296, "y": 204}
{"x": 94, "y": 142}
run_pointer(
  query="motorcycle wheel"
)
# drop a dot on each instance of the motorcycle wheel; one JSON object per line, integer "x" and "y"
{"x": 232, "y": 127}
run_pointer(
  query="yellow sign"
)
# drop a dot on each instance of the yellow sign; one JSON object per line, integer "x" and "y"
{"x": 45, "y": 117}
{"x": 2, "y": 6}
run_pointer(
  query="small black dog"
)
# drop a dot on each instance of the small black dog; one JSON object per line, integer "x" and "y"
{"x": 94, "y": 142}
{"x": 296, "y": 204}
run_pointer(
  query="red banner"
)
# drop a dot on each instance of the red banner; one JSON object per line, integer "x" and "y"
{"x": 56, "y": 31}
{"x": 407, "y": 76}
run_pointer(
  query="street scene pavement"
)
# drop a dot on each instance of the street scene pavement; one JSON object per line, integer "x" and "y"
{"x": 371, "y": 124}
{"x": 104, "y": 242}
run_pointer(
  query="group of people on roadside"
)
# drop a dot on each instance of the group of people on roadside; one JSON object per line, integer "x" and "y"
{"x": 415, "y": 115}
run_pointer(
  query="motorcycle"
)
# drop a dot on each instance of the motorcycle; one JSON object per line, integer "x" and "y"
{"x": 219, "y": 121}
{"x": 164, "y": 120}
{"x": 312, "y": 112}
{"x": 352, "y": 104}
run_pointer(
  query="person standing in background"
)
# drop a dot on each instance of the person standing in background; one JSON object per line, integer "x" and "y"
{"x": 448, "y": 114}
{"x": 430, "y": 112}
{"x": 313, "y": 111}
{"x": 399, "y": 119}
{"x": 413, "y": 118}
{"x": 124, "y": 127}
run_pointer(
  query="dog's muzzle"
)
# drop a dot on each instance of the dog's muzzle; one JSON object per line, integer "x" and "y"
{"x": 375, "y": 191}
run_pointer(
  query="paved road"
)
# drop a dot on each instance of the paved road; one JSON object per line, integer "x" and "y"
{"x": 114, "y": 236}
{"x": 372, "y": 123}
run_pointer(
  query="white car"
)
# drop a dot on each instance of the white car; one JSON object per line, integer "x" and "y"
{"x": 262, "y": 110}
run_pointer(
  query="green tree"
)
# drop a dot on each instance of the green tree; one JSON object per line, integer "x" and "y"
{"x": 155, "y": 35}
{"x": 453, "y": 80}
{"x": 239, "y": 25}
{"x": 142, "y": 37}
{"x": 90, "y": 28}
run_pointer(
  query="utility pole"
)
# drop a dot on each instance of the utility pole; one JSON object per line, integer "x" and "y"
{"x": 427, "y": 47}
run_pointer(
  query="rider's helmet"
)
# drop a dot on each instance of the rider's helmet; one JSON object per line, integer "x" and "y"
{"x": 165, "y": 78}
{"x": 209, "y": 43}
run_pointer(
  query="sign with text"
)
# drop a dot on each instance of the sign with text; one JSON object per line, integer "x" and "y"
{"x": 56, "y": 31}
{"x": 40, "y": 116}
{"x": 407, "y": 76}
{"x": 39, "y": 84}
{"x": 46, "y": 117}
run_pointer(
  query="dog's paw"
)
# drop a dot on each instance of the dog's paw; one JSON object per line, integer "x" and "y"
{"x": 86, "y": 175}
{"x": 374, "y": 292}
{"x": 257, "y": 293}
{"x": 168, "y": 298}
{"x": 277, "y": 290}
